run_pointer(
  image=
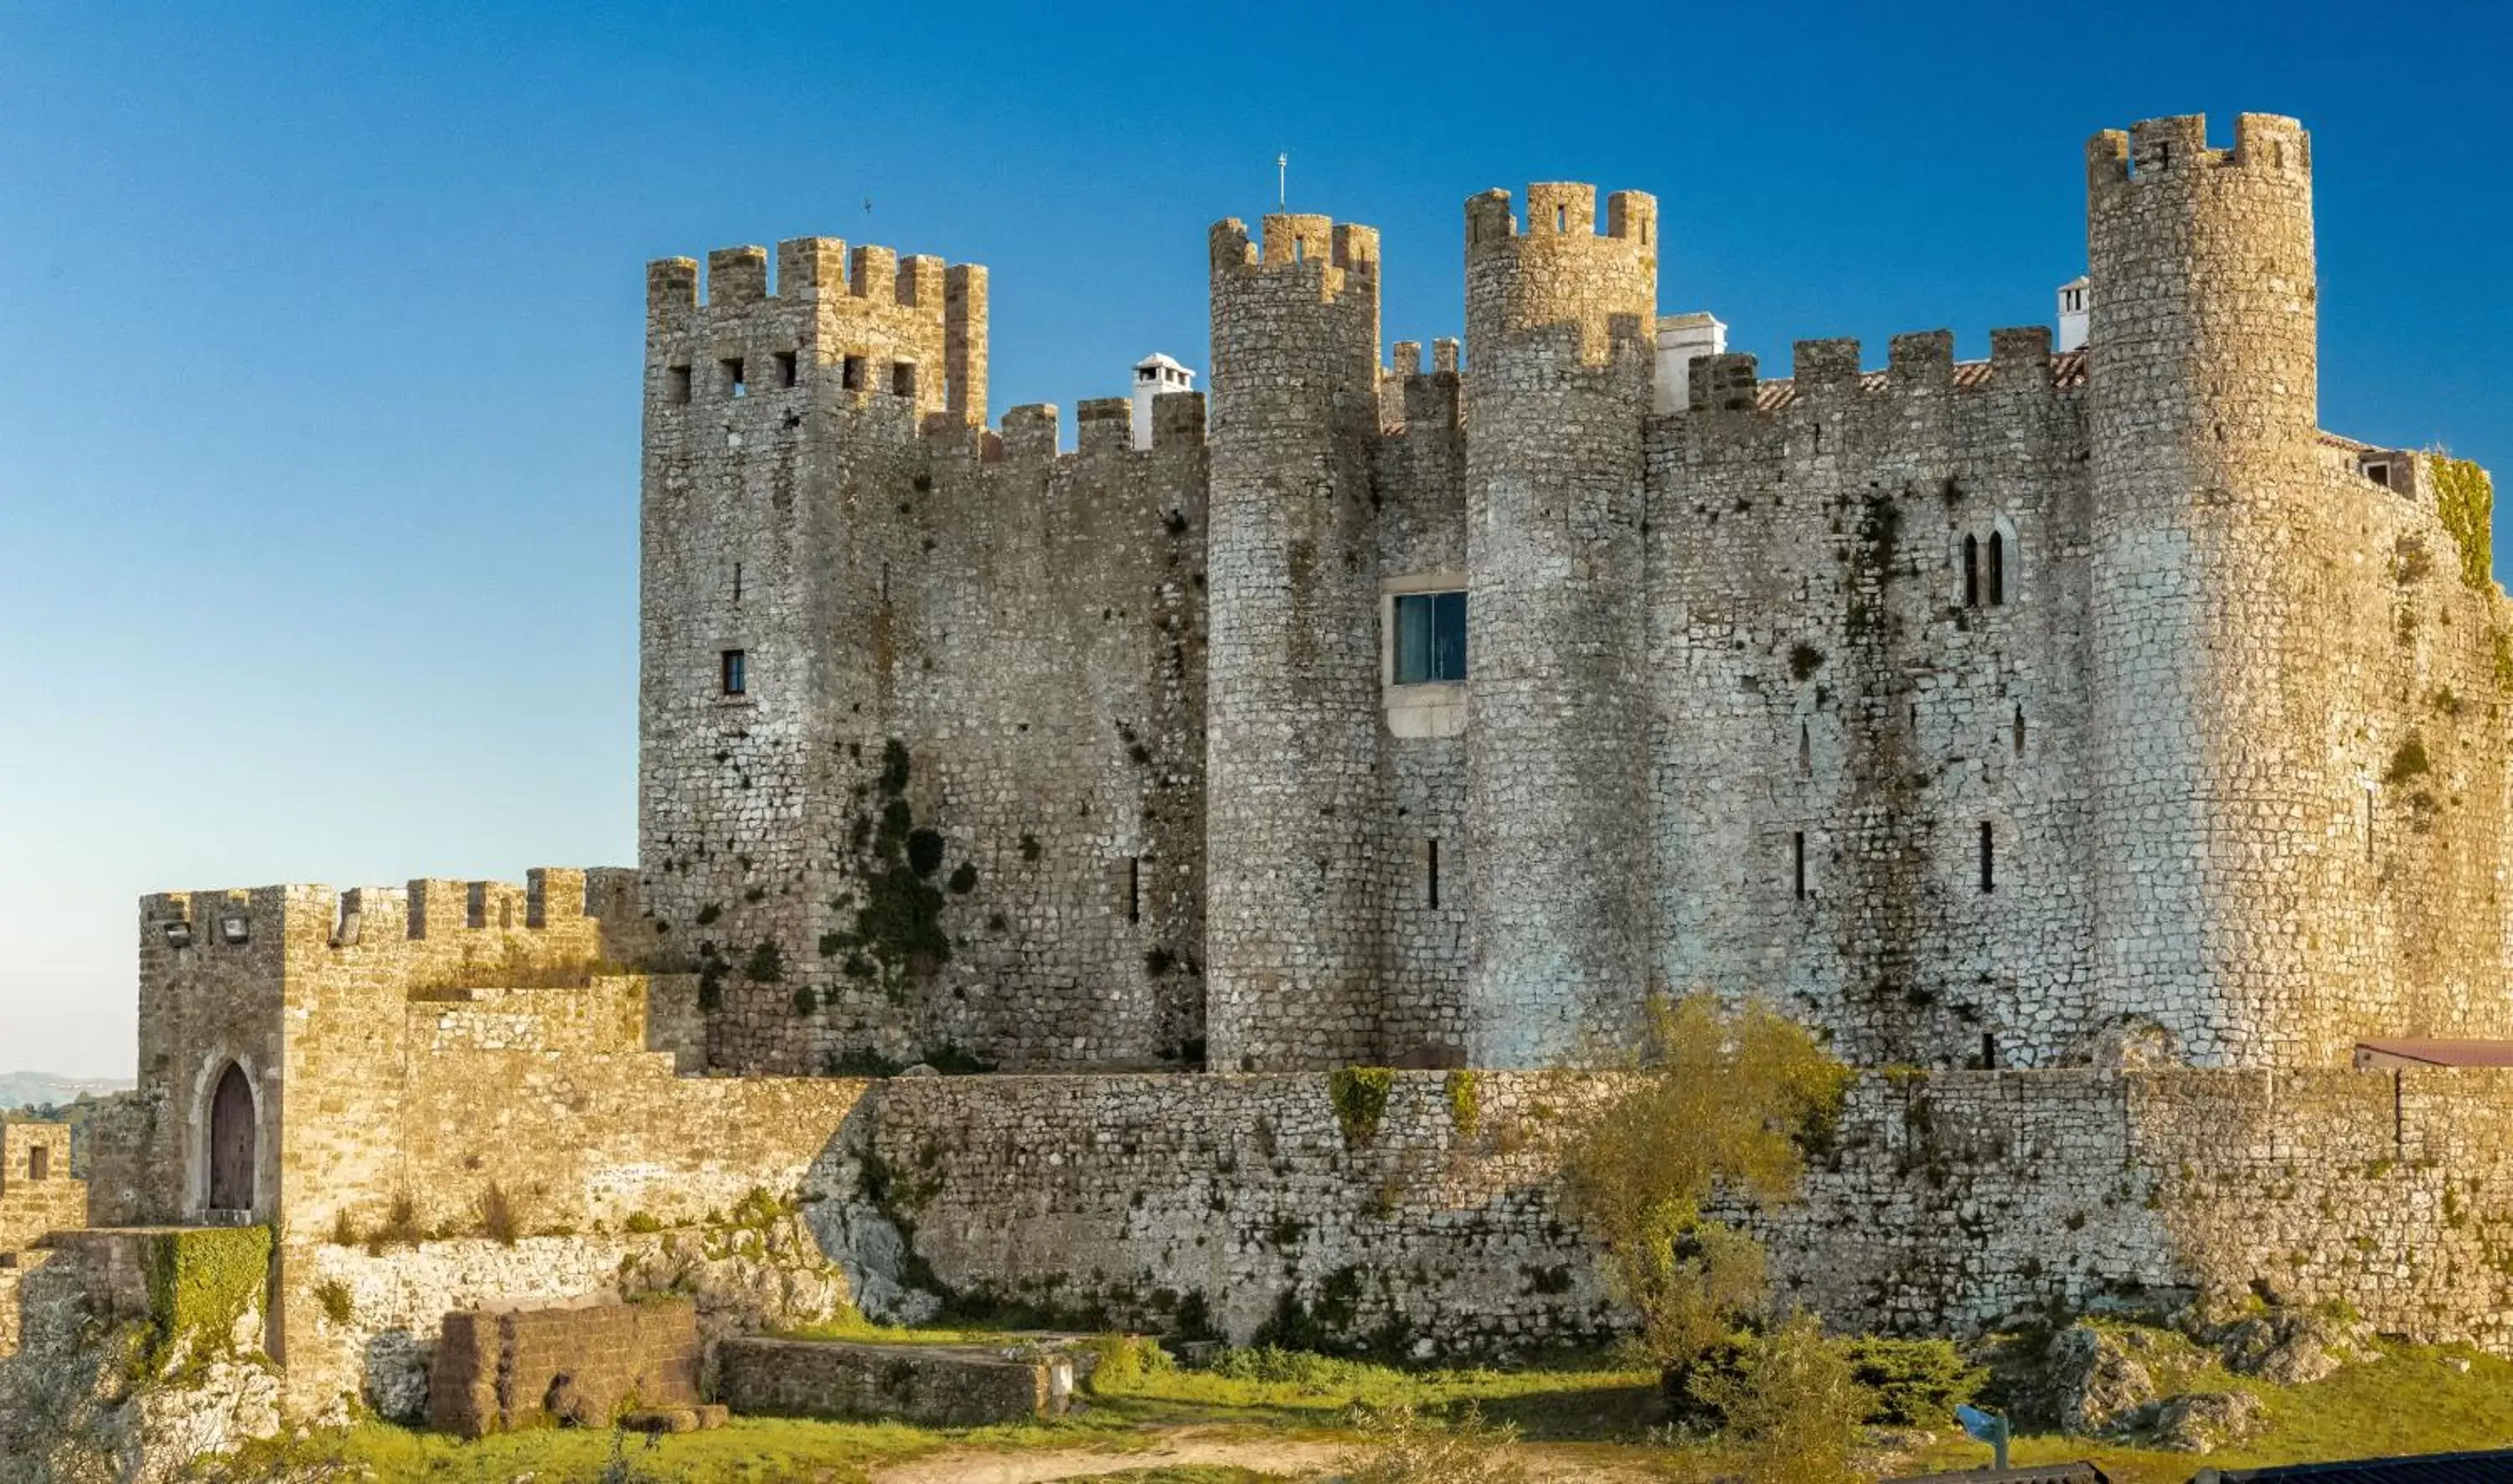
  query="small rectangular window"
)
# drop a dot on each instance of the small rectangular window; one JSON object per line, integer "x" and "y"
{"x": 1430, "y": 638}
{"x": 903, "y": 378}
{"x": 39, "y": 1164}
{"x": 735, "y": 382}
{"x": 788, "y": 371}
{"x": 851, "y": 373}
{"x": 736, "y": 673}
{"x": 1988, "y": 859}
{"x": 1431, "y": 871}
{"x": 1797, "y": 863}
{"x": 1134, "y": 888}
{"x": 676, "y": 385}
{"x": 2379, "y": 474}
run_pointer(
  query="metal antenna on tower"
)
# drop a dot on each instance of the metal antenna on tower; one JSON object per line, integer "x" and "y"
{"x": 1283, "y": 181}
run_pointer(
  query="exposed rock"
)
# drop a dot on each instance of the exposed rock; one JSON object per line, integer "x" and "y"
{"x": 2203, "y": 1422}
{"x": 2290, "y": 1347}
{"x": 2088, "y": 1380}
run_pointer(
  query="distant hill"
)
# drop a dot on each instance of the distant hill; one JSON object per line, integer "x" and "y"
{"x": 37, "y": 1089}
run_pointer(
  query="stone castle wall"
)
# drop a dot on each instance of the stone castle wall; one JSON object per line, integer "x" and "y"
{"x": 2038, "y": 710}
{"x": 1948, "y": 1201}
{"x": 421, "y": 1058}
{"x": 958, "y": 806}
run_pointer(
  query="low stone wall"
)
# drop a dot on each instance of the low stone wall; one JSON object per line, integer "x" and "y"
{"x": 497, "y": 1370}
{"x": 934, "y": 1385}
{"x": 1945, "y": 1202}
{"x": 376, "y": 1315}
{"x": 1236, "y": 1202}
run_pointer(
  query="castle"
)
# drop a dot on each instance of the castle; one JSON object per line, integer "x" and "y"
{"x": 2092, "y": 746}
{"x": 2031, "y": 713}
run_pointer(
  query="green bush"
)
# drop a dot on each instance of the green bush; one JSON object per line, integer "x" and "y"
{"x": 1912, "y": 1383}
{"x": 1124, "y": 1361}
{"x": 1791, "y": 1404}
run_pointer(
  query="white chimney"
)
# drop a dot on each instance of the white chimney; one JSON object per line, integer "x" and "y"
{"x": 2076, "y": 302}
{"x": 1154, "y": 375}
{"x": 1681, "y": 339}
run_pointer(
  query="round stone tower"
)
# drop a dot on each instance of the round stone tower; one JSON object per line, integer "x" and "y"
{"x": 2212, "y": 786}
{"x": 1293, "y": 942}
{"x": 1560, "y": 323}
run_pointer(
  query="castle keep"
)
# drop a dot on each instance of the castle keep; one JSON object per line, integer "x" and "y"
{"x": 2030, "y": 711}
{"x": 2087, "y": 742}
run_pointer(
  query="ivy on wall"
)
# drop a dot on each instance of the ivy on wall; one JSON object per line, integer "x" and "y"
{"x": 202, "y": 1282}
{"x": 2465, "y": 499}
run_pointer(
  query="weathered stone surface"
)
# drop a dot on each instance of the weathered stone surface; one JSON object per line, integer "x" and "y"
{"x": 2204, "y": 1422}
{"x": 941, "y": 1385}
{"x": 499, "y": 1370}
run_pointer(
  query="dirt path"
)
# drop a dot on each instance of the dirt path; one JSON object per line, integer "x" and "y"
{"x": 1186, "y": 1448}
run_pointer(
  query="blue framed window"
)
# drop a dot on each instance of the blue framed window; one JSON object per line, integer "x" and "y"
{"x": 1430, "y": 638}
{"x": 736, "y": 673}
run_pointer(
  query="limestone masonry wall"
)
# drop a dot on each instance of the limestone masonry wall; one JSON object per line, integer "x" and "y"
{"x": 2045, "y": 710}
{"x": 456, "y": 1058}
{"x": 1948, "y": 1201}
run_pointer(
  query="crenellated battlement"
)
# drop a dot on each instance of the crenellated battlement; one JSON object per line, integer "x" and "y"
{"x": 1302, "y": 245}
{"x": 1558, "y": 213}
{"x": 1921, "y": 363}
{"x": 1411, "y": 398}
{"x": 838, "y": 325}
{"x": 2175, "y": 150}
{"x": 550, "y": 899}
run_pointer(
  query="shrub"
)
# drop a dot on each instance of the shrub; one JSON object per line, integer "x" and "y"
{"x": 401, "y": 1222}
{"x": 344, "y": 1229}
{"x": 1791, "y": 1405}
{"x": 1401, "y": 1447}
{"x": 1912, "y": 1383}
{"x": 1124, "y": 1360}
{"x": 501, "y": 1215}
{"x": 333, "y": 1297}
{"x": 643, "y": 1222}
{"x": 1717, "y": 1099}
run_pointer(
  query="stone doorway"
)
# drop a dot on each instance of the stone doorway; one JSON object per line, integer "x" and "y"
{"x": 232, "y": 1138}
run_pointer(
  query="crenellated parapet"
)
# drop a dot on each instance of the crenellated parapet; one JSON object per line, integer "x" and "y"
{"x": 837, "y": 329}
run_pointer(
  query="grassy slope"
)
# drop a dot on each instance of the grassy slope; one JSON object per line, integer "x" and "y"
{"x": 2414, "y": 1400}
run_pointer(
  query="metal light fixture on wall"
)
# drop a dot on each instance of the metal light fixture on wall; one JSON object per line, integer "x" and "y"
{"x": 178, "y": 933}
{"x": 235, "y": 929}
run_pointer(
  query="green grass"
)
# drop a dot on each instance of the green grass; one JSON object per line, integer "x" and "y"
{"x": 749, "y": 1451}
{"x": 1573, "y": 1399}
{"x": 2416, "y": 1399}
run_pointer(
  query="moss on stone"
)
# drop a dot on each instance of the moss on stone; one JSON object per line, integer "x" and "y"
{"x": 202, "y": 1282}
{"x": 895, "y": 767}
{"x": 2465, "y": 500}
{"x": 1360, "y": 1098}
{"x": 1465, "y": 1100}
{"x": 2409, "y": 762}
{"x": 766, "y": 965}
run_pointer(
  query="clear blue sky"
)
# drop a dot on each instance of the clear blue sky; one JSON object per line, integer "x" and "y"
{"x": 318, "y": 406}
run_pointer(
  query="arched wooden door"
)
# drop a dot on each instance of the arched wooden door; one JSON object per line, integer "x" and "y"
{"x": 232, "y": 1142}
